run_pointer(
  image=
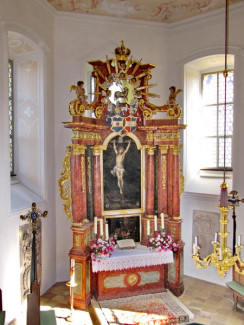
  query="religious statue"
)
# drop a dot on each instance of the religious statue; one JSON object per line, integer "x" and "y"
{"x": 172, "y": 95}
{"x": 80, "y": 92}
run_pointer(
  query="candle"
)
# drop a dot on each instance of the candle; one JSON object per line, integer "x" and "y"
{"x": 72, "y": 262}
{"x": 72, "y": 270}
{"x": 239, "y": 241}
{"x": 194, "y": 249}
{"x": 215, "y": 237}
{"x": 162, "y": 220}
{"x": 196, "y": 241}
{"x": 106, "y": 231}
{"x": 95, "y": 225}
{"x": 148, "y": 227}
{"x": 220, "y": 254}
{"x": 101, "y": 227}
{"x": 155, "y": 223}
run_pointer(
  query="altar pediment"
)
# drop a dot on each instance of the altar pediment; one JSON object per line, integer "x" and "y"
{"x": 123, "y": 88}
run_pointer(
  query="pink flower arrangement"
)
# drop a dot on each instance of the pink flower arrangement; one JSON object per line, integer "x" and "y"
{"x": 162, "y": 242}
{"x": 102, "y": 248}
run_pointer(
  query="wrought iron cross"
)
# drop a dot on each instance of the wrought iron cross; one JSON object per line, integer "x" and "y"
{"x": 33, "y": 216}
{"x": 234, "y": 202}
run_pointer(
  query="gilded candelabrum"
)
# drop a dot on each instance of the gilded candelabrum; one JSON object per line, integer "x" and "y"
{"x": 222, "y": 256}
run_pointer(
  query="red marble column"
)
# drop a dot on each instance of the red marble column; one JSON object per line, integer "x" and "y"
{"x": 175, "y": 182}
{"x": 162, "y": 180}
{"x": 78, "y": 183}
{"x": 150, "y": 180}
{"x": 97, "y": 181}
{"x": 170, "y": 181}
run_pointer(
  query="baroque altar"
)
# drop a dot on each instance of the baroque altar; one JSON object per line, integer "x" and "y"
{"x": 122, "y": 169}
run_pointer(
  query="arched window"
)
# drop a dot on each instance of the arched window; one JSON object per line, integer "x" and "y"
{"x": 204, "y": 117}
{"x": 26, "y": 121}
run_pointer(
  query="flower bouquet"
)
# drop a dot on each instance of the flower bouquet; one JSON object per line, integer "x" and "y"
{"x": 162, "y": 242}
{"x": 102, "y": 248}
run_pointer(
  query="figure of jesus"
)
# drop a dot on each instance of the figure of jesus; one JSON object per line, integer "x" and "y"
{"x": 118, "y": 169}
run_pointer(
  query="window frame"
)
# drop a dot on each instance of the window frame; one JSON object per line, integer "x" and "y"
{"x": 217, "y": 136}
{"x": 11, "y": 115}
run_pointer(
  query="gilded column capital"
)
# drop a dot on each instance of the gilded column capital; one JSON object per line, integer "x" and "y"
{"x": 78, "y": 149}
{"x": 164, "y": 149}
{"x": 150, "y": 149}
{"x": 176, "y": 149}
{"x": 97, "y": 150}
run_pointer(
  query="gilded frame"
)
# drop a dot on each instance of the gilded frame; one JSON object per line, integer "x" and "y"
{"x": 124, "y": 210}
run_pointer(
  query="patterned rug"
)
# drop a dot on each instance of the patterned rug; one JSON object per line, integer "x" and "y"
{"x": 159, "y": 308}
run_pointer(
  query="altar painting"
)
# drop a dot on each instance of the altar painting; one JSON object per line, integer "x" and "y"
{"x": 122, "y": 175}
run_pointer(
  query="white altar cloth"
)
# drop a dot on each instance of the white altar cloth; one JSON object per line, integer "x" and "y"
{"x": 130, "y": 258}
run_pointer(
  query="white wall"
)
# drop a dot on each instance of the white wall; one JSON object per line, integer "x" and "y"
{"x": 89, "y": 39}
{"x": 36, "y": 23}
{"x": 189, "y": 41}
{"x": 169, "y": 49}
{"x": 77, "y": 39}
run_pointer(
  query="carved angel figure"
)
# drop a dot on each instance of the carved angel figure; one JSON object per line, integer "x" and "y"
{"x": 80, "y": 91}
{"x": 173, "y": 94}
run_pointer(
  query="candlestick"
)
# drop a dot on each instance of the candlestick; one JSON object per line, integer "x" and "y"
{"x": 101, "y": 227}
{"x": 71, "y": 285}
{"x": 155, "y": 223}
{"x": 106, "y": 231}
{"x": 148, "y": 227}
{"x": 239, "y": 241}
{"x": 95, "y": 225}
{"x": 215, "y": 237}
{"x": 194, "y": 249}
{"x": 162, "y": 220}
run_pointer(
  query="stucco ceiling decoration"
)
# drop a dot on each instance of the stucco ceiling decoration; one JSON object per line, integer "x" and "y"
{"x": 18, "y": 44}
{"x": 167, "y": 11}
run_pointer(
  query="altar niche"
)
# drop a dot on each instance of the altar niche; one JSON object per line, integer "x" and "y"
{"x": 122, "y": 175}
{"x": 124, "y": 227}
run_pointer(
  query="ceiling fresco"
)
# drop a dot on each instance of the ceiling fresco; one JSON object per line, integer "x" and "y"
{"x": 167, "y": 11}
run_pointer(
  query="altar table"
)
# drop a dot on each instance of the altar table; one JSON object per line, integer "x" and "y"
{"x": 130, "y": 272}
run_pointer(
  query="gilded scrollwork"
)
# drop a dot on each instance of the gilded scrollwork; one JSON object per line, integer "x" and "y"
{"x": 76, "y": 107}
{"x": 164, "y": 172}
{"x": 174, "y": 112}
{"x": 83, "y": 174}
{"x": 65, "y": 184}
{"x": 167, "y": 135}
{"x": 77, "y": 134}
{"x": 182, "y": 182}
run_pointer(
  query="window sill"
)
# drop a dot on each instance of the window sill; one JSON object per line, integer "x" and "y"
{"x": 215, "y": 174}
{"x": 22, "y": 197}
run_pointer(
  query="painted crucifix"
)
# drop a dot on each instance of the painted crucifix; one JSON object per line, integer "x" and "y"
{"x": 118, "y": 169}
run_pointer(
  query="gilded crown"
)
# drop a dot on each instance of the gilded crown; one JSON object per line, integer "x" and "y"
{"x": 122, "y": 52}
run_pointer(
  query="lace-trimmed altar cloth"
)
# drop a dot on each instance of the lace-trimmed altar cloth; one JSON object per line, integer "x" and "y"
{"x": 126, "y": 259}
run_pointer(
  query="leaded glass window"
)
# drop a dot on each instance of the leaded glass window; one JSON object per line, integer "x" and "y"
{"x": 213, "y": 95}
{"x": 11, "y": 115}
